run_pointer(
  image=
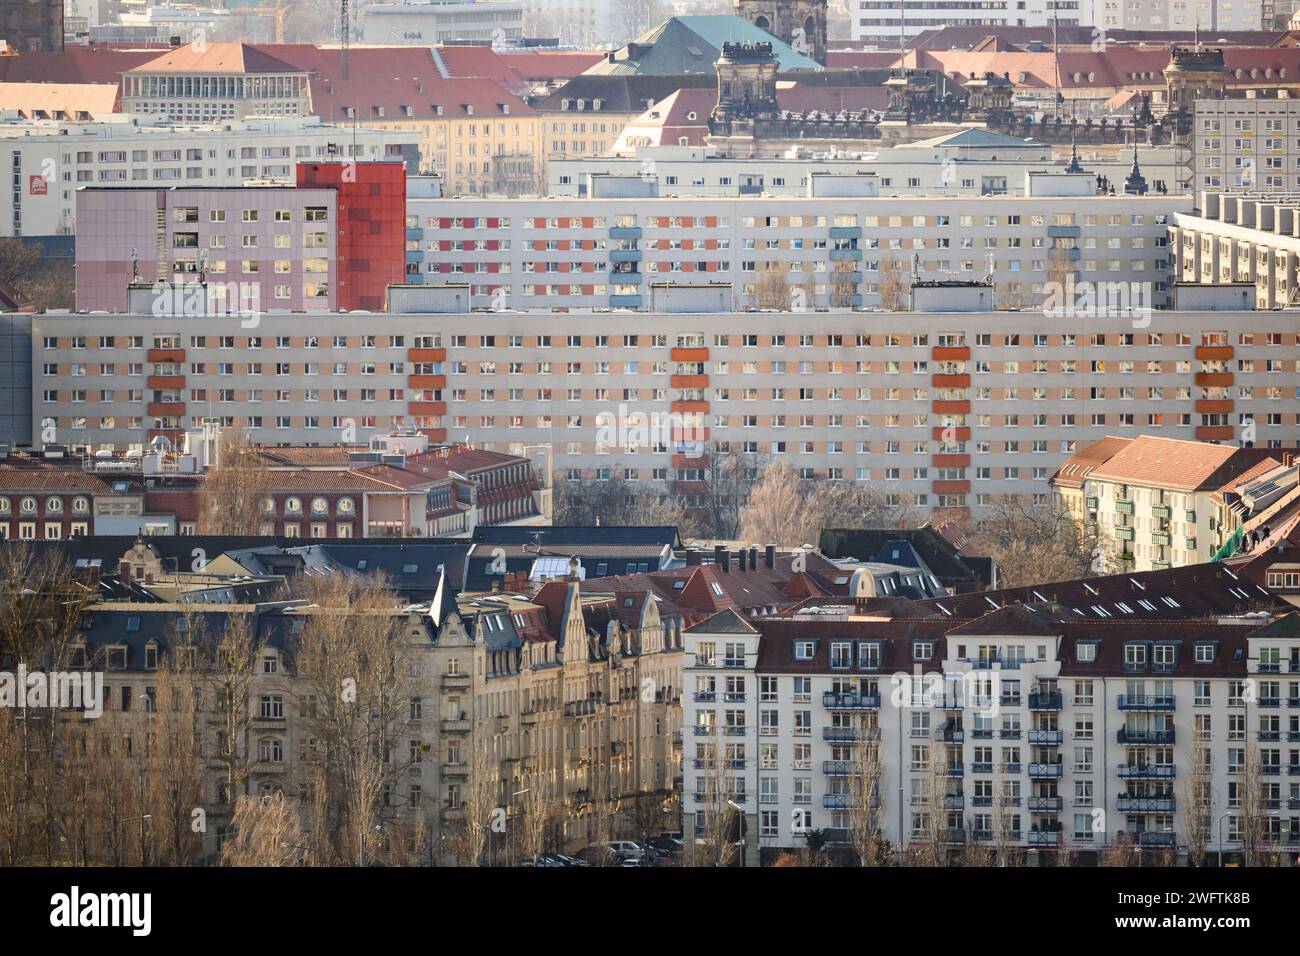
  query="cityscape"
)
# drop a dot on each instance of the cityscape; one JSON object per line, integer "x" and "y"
{"x": 665, "y": 434}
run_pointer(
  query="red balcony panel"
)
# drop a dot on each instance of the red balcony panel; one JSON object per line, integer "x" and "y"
{"x": 426, "y": 355}
{"x": 951, "y": 353}
{"x": 165, "y": 355}
{"x": 1214, "y": 378}
{"x": 686, "y": 461}
{"x": 950, "y": 461}
{"x": 687, "y": 408}
{"x": 690, "y": 381}
{"x": 427, "y": 381}
{"x": 1210, "y": 406}
{"x": 1214, "y": 353}
{"x": 1214, "y": 433}
{"x": 951, "y": 433}
{"x": 951, "y": 381}
{"x": 952, "y": 408}
{"x": 951, "y": 487}
{"x": 165, "y": 381}
{"x": 690, "y": 355}
{"x": 434, "y": 434}
{"x": 165, "y": 409}
{"x": 427, "y": 408}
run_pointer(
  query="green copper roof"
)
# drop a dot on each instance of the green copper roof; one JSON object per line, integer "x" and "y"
{"x": 682, "y": 45}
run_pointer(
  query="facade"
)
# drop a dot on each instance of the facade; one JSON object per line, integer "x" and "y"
{"x": 889, "y": 24}
{"x": 434, "y": 22}
{"x": 547, "y": 693}
{"x": 55, "y": 159}
{"x": 27, "y": 27}
{"x": 1241, "y": 240}
{"x": 1022, "y": 730}
{"x": 566, "y": 254}
{"x": 1249, "y": 144}
{"x": 209, "y": 82}
{"x": 801, "y": 24}
{"x": 905, "y": 400}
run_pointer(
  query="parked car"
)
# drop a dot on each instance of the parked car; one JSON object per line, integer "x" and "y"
{"x": 597, "y": 855}
{"x": 668, "y": 843}
{"x": 627, "y": 850}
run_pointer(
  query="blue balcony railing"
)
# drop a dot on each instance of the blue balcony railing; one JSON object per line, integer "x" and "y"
{"x": 1045, "y": 771}
{"x": 1128, "y": 804}
{"x": 850, "y": 701}
{"x": 1050, "y": 700}
{"x": 1143, "y": 702}
{"x": 1127, "y": 736}
{"x": 1046, "y": 738}
{"x": 1148, "y": 771}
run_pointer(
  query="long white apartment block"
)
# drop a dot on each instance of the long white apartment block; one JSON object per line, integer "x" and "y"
{"x": 846, "y": 251}
{"x": 1247, "y": 144}
{"x": 1244, "y": 239}
{"x": 944, "y": 408}
{"x": 49, "y": 160}
{"x": 1036, "y": 731}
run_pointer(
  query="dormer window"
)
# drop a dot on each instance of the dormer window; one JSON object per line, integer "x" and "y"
{"x": 151, "y": 656}
{"x": 922, "y": 650}
{"x": 1085, "y": 653}
{"x": 804, "y": 650}
{"x": 1204, "y": 653}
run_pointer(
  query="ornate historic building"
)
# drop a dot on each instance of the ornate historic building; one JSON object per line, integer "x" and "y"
{"x": 800, "y": 23}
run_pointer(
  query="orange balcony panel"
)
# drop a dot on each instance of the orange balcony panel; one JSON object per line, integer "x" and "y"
{"x": 1211, "y": 406}
{"x": 427, "y": 381}
{"x": 427, "y": 408}
{"x": 951, "y": 487}
{"x": 434, "y": 434}
{"x": 687, "y": 408}
{"x": 952, "y": 408}
{"x": 165, "y": 409}
{"x": 951, "y": 353}
{"x": 950, "y": 461}
{"x": 690, "y": 381}
{"x": 951, "y": 381}
{"x": 690, "y": 487}
{"x": 952, "y": 433}
{"x": 1214, "y": 378}
{"x": 1214, "y": 433}
{"x": 686, "y": 461}
{"x": 165, "y": 355}
{"x": 426, "y": 355}
{"x": 690, "y": 355}
{"x": 165, "y": 381}
{"x": 1214, "y": 353}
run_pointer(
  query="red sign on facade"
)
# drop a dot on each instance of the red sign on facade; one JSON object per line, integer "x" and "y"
{"x": 37, "y": 185}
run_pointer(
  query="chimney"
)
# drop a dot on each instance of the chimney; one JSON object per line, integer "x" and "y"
{"x": 753, "y": 557}
{"x": 769, "y": 555}
{"x": 740, "y": 560}
{"x": 693, "y": 558}
{"x": 721, "y": 557}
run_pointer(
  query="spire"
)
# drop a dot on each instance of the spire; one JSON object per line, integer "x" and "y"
{"x": 1074, "y": 166}
{"x": 1135, "y": 184}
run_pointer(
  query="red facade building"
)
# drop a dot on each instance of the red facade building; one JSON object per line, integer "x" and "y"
{"x": 371, "y": 227}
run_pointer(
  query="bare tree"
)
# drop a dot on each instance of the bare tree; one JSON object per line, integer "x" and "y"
{"x": 730, "y": 476}
{"x": 1199, "y": 797}
{"x": 537, "y": 813}
{"x": 228, "y": 677}
{"x": 1254, "y": 807}
{"x": 230, "y": 499}
{"x": 772, "y": 290}
{"x": 479, "y": 812}
{"x": 895, "y": 284}
{"x": 267, "y": 832}
{"x": 865, "y": 787}
{"x": 41, "y": 281}
{"x": 720, "y": 822}
{"x": 777, "y": 509}
{"x": 614, "y": 500}
{"x": 1036, "y": 542}
{"x": 176, "y": 759}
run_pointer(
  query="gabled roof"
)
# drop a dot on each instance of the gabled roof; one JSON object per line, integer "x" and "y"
{"x": 727, "y": 621}
{"x": 1176, "y": 464}
{"x": 938, "y": 553}
{"x": 1016, "y": 620}
{"x": 1087, "y": 459}
{"x": 693, "y": 44}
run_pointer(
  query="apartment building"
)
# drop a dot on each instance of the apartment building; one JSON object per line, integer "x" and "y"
{"x": 334, "y": 240}
{"x": 577, "y": 697}
{"x": 1028, "y": 728}
{"x": 937, "y": 408}
{"x": 53, "y": 160}
{"x": 429, "y": 23}
{"x": 1249, "y": 144}
{"x": 562, "y": 254}
{"x": 886, "y": 24}
{"x": 1245, "y": 239}
{"x": 1156, "y": 502}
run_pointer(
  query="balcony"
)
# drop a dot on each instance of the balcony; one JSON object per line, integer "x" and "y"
{"x": 165, "y": 355}
{"x": 1123, "y": 506}
{"x": 1009, "y": 733}
{"x": 850, "y": 701}
{"x": 1145, "y": 702}
{"x": 1123, "y": 534}
{"x": 1127, "y": 804}
{"x": 455, "y": 770}
{"x": 1157, "y": 838}
{"x": 953, "y": 836}
{"x": 1046, "y": 804}
{"x": 955, "y": 770}
{"x": 849, "y": 734}
{"x": 841, "y": 801}
{"x": 1146, "y": 737}
{"x": 455, "y": 681}
{"x": 1160, "y": 538}
{"x": 954, "y": 801}
{"x": 1160, "y": 511}
{"x": 1047, "y": 738}
{"x": 981, "y": 766}
{"x": 1146, "y": 771}
{"x": 1043, "y": 838}
{"x": 580, "y": 708}
{"x": 951, "y": 736}
{"x": 1045, "y": 701}
{"x": 458, "y": 725}
{"x": 1045, "y": 771}
{"x": 841, "y": 768}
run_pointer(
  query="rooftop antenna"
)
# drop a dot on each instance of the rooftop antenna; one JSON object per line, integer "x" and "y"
{"x": 902, "y": 33}
{"x": 344, "y": 37}
{"x": 1056, "y": 62}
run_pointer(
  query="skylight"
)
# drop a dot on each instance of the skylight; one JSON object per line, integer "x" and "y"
{"x": 1138, "y": 584}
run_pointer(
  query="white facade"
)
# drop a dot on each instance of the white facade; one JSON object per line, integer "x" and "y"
{"x": 878, "y": 21}
{"x": 1248, "y": 143}
{"x": 434, "y": 22}
{"x": 51, "y": 160}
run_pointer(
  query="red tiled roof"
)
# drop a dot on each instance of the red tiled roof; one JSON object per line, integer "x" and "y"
{"x": 41, "y": 479}
{"x": 549, "y": 66}
{"x": 1084, "y": 461}
{"x": 216, "y": 58}
{"x": 1175, "y": 464}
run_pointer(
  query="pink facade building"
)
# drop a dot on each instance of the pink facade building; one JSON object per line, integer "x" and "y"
{"x": 254, "y": 247}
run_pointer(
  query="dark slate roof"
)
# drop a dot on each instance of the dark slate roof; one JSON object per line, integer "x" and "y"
{"x": 693, "y": 44}
{"x": 776, "y": 649}
{"x": 1197, "y": 591}
{"x": 931, "y": 547}
{"x": 621, "y": 94}
{"x": 663, "y": 535}
{"x": 727, "y": 621}
{"x": 1012, "y": 620}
